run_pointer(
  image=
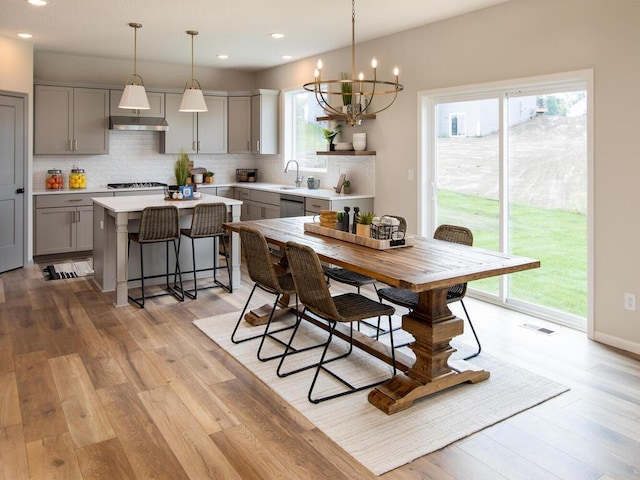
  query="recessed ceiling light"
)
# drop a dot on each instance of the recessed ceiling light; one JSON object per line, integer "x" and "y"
{"x": 38, "y": 3}
{"x": 277, "y": 35}
{"x": 287, "y": 57}
{"x": 25, "y": 35}
{"x": 222, "y": 56}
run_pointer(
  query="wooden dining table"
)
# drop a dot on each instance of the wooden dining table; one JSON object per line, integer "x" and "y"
{"x": 428, "y": 267}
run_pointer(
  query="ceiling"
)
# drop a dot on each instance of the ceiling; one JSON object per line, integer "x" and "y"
{"x": 237, "y": 28}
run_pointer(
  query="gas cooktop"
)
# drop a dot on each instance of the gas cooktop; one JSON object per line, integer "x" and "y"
{"x": 136, "y": 185}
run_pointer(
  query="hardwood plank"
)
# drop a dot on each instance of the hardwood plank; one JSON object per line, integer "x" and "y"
{"x": 87, "y": 420}
{"x": 13, "y": 454}
{"x": 131, "y": 359}
{"x": 3, "y": 298}
{"x": 98, "y": 360}
{"x": 9, "y": 401}
{"x": 53, "y": 458}
{"x": 104, "y": 461}
{"x": 248, "y": 456}
{"x": 6, "y": 355}
{"x": 459, "y": 464}
{"x": 148, "y": 453}
{"x": 271, "y": 429}
{"x": 196, "y": 452}
{"x": 25, "y": 335}
{"x": 538, "y": 453}
{"x": 42, "y": 414}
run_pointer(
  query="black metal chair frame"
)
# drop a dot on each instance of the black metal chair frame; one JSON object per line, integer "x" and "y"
{"x": 219, "y": 235}
{"x": 409, "y": 299}
{"x": 277, "y": 291}
{"x": 177, "y": 293}
{"x": 333, "y": 323}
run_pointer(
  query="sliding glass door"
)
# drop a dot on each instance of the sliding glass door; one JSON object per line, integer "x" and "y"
{"x": 512, "y": 167}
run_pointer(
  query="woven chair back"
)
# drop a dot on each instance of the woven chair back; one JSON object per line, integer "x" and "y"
{"x": 455, "y": 234}
{"x": 207, "y": 220}
{"x": 158, "y": 224}
{"x": 311, "y": 285}
{"x": 259, "y": 262}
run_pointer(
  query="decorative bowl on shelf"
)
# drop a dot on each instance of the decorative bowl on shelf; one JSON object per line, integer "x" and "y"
{"x": 344, "y": 146}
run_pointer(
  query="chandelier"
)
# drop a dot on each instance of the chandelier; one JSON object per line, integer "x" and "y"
{"x": 357, "y": 92}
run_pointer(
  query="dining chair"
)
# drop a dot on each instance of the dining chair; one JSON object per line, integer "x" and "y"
{"x": 407, "y": 298}
{"x": 158, "y": 224}
{"x": 206, "y": 222}
{"x": 264, "y": 275}
{"x": 313, "y": 293}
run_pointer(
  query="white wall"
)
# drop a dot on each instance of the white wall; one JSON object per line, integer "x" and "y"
{"x": 16, "y": 76}
{"x": 517, "y": 39}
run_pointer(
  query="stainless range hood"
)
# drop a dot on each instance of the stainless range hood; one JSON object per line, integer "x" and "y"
{"x": 153, "y": 124}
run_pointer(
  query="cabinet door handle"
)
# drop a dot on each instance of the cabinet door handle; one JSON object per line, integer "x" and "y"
{"x": 75, "y": 144}
{"x": 71, "y": 145}
{"x": 75, "y": 200}
{"x": 257, "y": 145}
{"x": 77, "y": 216}
{"x": 198, "y": 145}
{"x": 194, "y": 147}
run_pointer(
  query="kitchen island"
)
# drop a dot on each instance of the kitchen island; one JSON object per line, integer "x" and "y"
{"x": 113, "y": 217}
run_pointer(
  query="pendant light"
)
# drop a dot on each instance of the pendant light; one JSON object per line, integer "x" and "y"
{"x": 134, "y": 96}
{"x": 192, "y": 98}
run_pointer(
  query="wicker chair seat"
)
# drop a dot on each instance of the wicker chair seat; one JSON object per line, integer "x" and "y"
{"x": 349, "y": 277}
{"x": 407, "y": 298}
{"x": 352, "y": 307}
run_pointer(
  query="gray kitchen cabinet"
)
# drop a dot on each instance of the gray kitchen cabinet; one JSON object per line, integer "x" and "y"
{"x": 264, "y": 122}
{"x": 156, "y": 102}
{"x": 264, "y": 205}
{"x": 71, "y": 120}
{"x": 204, "y": 132}
{"x": 64, "y": 223}
{"x": 243, "y": 194}
{"x": 239, "y": 125}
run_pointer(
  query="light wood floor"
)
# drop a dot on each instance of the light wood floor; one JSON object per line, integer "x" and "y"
{"x": 90, "y": 391}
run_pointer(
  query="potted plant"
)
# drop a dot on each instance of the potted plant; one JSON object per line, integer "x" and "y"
{"x": 346, "y": 186}
{"x": 363, "y": 227}
{"x": 181, "y": 168}
{"x": 347, "y": 91}
{"x": 208, "y": 177}
{"x": 330, "y": 135}
{"x": 339, "y": 220}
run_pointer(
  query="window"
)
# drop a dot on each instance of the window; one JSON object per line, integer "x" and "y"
{"x": 518, "y": 178}
{"x": 302, "y": 132}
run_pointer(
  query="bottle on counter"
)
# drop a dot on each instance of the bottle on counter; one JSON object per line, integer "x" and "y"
{"x": 356, "y": 216}
{"x": 345, "y": 219}
{"x": 77, "y": 179}
{"x": 55, "y": 180}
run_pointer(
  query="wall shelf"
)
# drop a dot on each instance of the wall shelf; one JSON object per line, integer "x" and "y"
{"x": 348, "y": 152}
{"x": 366, "y": 116}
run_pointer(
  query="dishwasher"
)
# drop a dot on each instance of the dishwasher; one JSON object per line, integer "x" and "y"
{"x": 291, "y": 206}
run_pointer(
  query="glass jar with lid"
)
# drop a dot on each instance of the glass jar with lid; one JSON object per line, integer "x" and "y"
{"x": 77, "y": 179}
{"x": 55, "y": 180}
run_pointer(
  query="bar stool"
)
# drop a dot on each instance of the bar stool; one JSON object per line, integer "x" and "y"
{"x": 207, "y": 222}
{"x": 158, "y": 224}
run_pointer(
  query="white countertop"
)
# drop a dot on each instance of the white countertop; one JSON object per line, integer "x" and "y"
{"x": 137, "y": 203}
{"x": 320, "y": 193}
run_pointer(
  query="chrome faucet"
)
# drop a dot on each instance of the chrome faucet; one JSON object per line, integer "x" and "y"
{"x": 298, "y": 177}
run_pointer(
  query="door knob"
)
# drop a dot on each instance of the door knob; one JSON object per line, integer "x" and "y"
{"x": 20, "y": 190}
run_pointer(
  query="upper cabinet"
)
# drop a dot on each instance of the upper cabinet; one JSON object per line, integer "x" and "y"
{"x": 156, "y": 102}
{"x": 71, "y": 120}
{"x": 204, "y": 132}
{"x": 264, "y": 122}
{"x": 239, "y": 124}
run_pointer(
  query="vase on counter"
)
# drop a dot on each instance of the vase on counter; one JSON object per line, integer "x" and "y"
{"x": 363, "y": 230}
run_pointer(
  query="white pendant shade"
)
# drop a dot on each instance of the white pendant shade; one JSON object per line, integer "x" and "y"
{"x": 193, "y": 101}
{"x": 134, "y": 97}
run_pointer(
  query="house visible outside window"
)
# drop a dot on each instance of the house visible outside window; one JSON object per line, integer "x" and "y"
{"x": 302, "y": 132}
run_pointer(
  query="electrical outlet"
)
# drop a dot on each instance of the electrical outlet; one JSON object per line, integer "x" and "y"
{"x": 630, "y": 302}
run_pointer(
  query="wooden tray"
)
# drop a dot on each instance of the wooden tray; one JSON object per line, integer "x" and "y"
{"x": 357, "y": 239}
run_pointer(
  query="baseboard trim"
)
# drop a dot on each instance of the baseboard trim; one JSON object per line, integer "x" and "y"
{"x": 617, "y": 342}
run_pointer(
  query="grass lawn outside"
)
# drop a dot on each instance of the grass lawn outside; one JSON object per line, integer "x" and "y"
{"x": 556, "y": 237}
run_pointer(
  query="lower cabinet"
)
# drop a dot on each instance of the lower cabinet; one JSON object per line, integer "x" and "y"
{"x": 314, "y": 205}
{"x": 64, "y": 223}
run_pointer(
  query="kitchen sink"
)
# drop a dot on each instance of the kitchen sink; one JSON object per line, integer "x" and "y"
{"x": 289, "y": 188}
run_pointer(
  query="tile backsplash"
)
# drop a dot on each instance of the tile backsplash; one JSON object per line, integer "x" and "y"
{"x": 133, "y": 157}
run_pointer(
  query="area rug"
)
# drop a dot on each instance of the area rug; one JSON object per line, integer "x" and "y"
{"x": 68, "y": 270}
{"x": 376, "y": 440}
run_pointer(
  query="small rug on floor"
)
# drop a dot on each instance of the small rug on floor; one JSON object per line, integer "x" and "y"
{"x": 68, "y": 270}
{"x": 378, "y": 441}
